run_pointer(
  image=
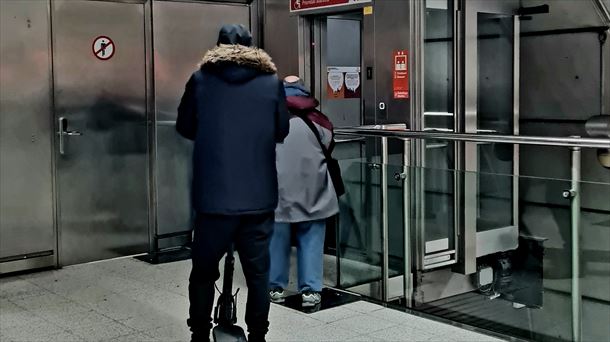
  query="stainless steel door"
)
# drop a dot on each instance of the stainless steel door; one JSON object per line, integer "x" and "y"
{"x": 491, "y": 101}
{"x": 100, "y": 92}
{"x": 27, "y": 237}
{"x": 183, "y": 32}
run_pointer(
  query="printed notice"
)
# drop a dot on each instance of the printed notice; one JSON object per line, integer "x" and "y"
{"x": 343, "y": 83}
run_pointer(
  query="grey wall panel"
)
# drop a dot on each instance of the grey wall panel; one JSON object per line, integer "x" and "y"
{"x": 391, "y": 31}
{"x": 560, "y": 77}
{"x": 281, "y": 36}
{"x": 554, "y": 163}
{"x": 563, "y": 14}
{"x": 26, "y": 190}
{"x": 183, "y": 32}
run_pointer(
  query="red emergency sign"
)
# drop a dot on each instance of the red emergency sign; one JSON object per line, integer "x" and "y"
{"x": 401, "y": 74}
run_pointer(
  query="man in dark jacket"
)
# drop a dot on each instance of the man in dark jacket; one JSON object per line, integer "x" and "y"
{"x": 234, "y": 109}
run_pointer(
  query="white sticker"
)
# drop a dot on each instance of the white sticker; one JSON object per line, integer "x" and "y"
{"x": 335, "y": 80}
{"x": 352, "y": 80}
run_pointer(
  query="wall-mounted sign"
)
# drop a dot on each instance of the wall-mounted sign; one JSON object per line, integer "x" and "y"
{"x": 343, "y": 82}
{"x": 401, "y": 74}
{"x": 305, "y": 5}
{"x": 103, "y": 48}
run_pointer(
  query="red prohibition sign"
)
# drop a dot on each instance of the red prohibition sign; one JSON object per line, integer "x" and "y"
{"x": 103, "y": 48}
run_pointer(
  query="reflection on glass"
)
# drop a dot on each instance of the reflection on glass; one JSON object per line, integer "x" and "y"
{"x": 359, "y": 237}
{"x": 495, "y": 115}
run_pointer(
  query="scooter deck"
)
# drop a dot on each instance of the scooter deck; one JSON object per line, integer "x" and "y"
{"x": 229, "y": 333}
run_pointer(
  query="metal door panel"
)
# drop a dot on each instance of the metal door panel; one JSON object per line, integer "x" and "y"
{"x": 102, "y": 176}
{"x": 183, "y": 32}
{"x": 26, "y": 180}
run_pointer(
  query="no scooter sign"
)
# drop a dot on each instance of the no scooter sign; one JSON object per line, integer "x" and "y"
{"x": 103, "y": 48}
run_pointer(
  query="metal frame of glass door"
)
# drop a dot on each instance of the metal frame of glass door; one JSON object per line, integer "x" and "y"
{"x": 468, "y": 240}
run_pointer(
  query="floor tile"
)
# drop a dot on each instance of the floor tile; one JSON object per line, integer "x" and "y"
{"x": 63, "y": 309}
{"x": 120, "y": 307}
{"x": 88, "y": 294}
{"x": 64, "y": 336}
{"x": 38, "y": 330}
{"x": 362, "y": 307}
{"x": 18, "y": 319}
{"x": 363, "y": 324}
{"x": 15, "y": 288}
{"x": 42, "y": 301}
{"x": 80, "y": 320}
{"x": 333, "y": 315}
{"x": 137, "y": 337}
{"x": 171, "y": 333}
{"x": 103, "y": 331}
{"x": 287, "y": 319}
{"x": 468, "y": 336}
{"x": 321, "y": 333}
{"x": 402, "y": 333}
{"x": 150, "y": 321}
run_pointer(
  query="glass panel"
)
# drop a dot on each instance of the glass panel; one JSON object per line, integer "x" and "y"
{"x": 495, "y": 115}
{"x": 522, "y": 288}
{"x": 529, "y": 295}
{"x": 360, "y": 224}
{"x": 439, "y": 192}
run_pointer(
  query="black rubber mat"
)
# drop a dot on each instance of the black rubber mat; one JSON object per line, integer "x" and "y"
{"x": 165, "y": 257}
{"x": 330, "y": 299}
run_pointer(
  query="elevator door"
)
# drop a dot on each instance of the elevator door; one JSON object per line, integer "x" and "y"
{"x": 491, "y": 107}
{"x": 101, "y": 142}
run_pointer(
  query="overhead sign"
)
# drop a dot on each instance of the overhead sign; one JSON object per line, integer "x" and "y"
{"x": 401, "y": 74}
{"x": 304, "y": 5}
{"x": 103, "y": 48}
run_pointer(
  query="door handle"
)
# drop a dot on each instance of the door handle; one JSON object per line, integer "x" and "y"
{"x": 63, "y": 132}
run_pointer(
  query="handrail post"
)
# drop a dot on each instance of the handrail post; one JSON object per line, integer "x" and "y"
{"x": 575, "y": 228}
{"x": 385, "y": 263}
{"x": 406, "y": 195}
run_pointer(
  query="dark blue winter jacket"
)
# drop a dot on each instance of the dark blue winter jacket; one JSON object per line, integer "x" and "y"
{"x": 234, "y": 109}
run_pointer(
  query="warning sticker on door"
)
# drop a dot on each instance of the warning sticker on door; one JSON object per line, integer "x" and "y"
{"x": 343, "y": 82}
{"x": 103, "y": 48}
{"x": 401, "y": 75}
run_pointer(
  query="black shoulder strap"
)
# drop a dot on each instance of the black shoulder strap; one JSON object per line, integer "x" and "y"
{"x": 315, "y": 131}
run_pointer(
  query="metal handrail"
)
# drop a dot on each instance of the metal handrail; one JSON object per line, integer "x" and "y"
{"x": 380, "y": 131}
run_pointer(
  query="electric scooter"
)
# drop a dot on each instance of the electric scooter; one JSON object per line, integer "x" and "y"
{"x": 225, "y": 313}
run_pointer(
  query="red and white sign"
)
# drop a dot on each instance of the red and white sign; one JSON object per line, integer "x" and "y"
{"x": 401, "y": 74}
{"x": 103, "y": 48}
{"x": 303, "y": 5}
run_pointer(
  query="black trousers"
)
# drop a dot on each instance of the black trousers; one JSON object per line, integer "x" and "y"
{"x": 214, "y": 234}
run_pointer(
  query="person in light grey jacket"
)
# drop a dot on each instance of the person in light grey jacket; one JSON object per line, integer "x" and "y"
{"x": 306, "y": 197}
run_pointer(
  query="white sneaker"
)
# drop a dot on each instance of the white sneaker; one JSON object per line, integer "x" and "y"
{"x": 277, "y": 295}
{"x": 311, "y": 298}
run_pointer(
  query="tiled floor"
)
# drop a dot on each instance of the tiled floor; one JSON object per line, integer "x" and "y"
{"x": 129, "y": 300}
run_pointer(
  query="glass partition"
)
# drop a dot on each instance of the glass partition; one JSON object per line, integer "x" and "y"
{"x": 523, "y": 285}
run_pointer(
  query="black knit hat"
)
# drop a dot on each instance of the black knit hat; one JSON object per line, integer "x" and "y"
{"x": 234, "y": 34}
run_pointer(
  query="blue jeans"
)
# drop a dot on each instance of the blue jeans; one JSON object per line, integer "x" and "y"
{"x": 310, "y": 254}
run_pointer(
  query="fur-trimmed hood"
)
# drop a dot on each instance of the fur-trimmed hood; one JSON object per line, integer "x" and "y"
{"x": 237, "y": 63}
